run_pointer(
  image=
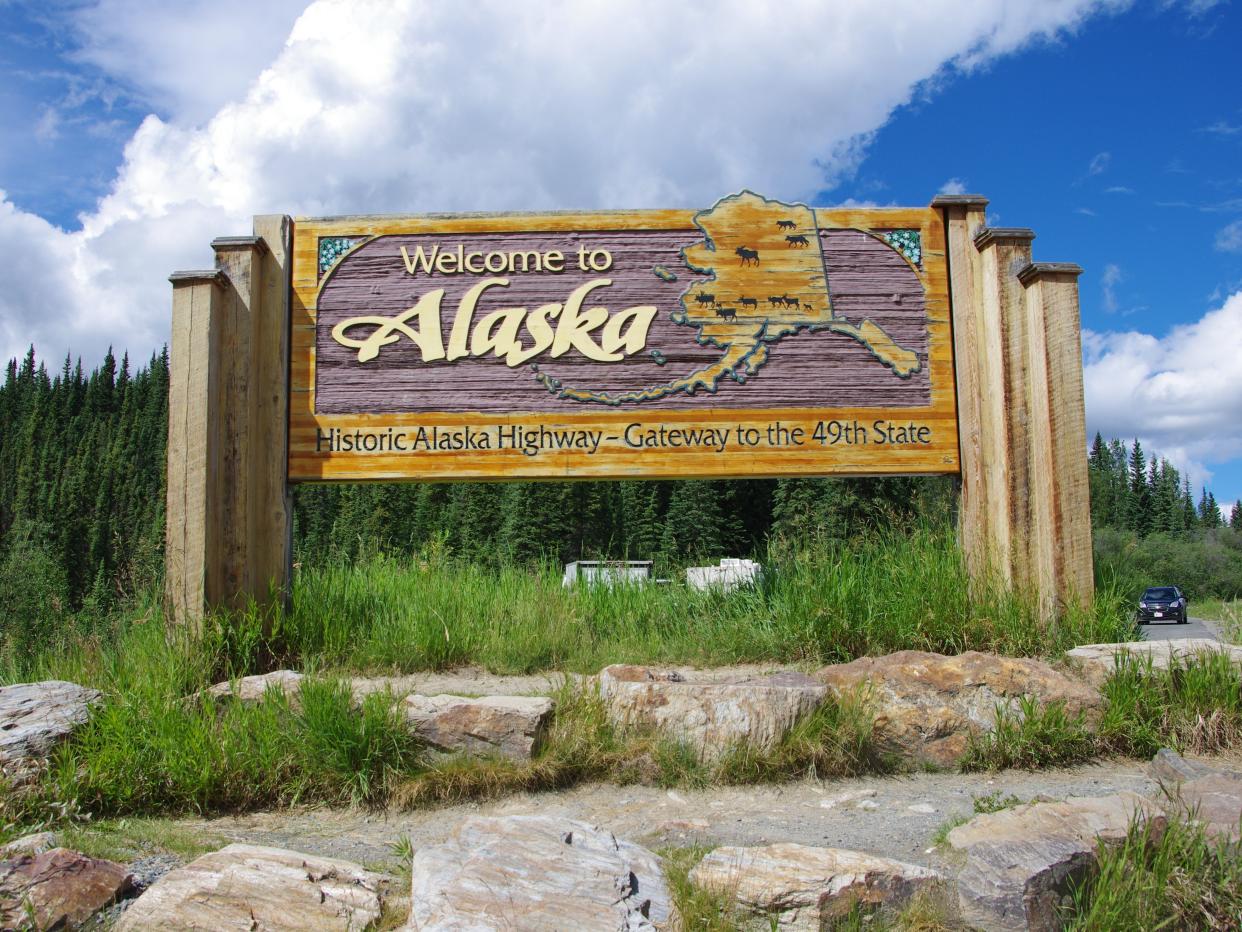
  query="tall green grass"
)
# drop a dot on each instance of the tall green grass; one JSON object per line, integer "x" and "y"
{"x": 1175, "y": 879}
{"x": 824, "y": 603}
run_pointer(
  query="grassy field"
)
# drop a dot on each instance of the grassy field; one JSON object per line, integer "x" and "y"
{"x": 1228, "y": 613}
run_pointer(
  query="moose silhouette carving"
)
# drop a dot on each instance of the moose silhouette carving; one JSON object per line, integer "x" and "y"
{"x": 748, "y": 256}
{"x": 726, "y": 313}
{"x": 705, "y": 298}
{"x": 749, "y": 302}
{"x": 791, "y": 302}
{"x": 776, "y": 300}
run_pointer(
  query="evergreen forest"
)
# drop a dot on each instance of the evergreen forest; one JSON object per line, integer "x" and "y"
{"x": 82, "y": 478}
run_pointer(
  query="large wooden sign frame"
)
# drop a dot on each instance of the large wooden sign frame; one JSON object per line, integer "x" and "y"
{"x": 753, "y": 338}
{"x": 824, "y": 348}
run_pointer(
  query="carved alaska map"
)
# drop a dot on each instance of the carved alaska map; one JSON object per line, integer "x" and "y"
{"x": 768, "y": 281}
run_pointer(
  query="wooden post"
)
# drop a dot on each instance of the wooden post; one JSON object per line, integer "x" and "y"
{"x": 1024, "y": 518}
{"x": 1064, "y": 554}
{"x": 189, "y": 546}
{"x": 228, "y": 509}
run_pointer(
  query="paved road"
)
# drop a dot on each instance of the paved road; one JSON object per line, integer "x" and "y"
{"x": 1170, "y": 631}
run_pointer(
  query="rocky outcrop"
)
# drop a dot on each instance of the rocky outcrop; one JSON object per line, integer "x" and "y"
{"x": 807, "y": 887}
{"x": 506, "y": 725}
{"x": 1211, "y": 795}
{"x": 709, "y": 713}
{"x": 57, "y": 889}
{"x": 537, "y": 872}
{"x": 1170, "y": 768}
{"x": 1022, "y": 863}
{"x": 249, "y": 887}
{"x": 927, "y": 705}
{"x": 34, "y": 718}
{"x": 1098, "y": 661}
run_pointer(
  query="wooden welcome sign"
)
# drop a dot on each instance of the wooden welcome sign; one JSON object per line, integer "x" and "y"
{"x": 754, "y": 338}
{"x": 750, "y": 338}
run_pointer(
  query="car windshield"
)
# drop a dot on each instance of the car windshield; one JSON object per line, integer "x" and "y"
{"x": 1160, "y": 595}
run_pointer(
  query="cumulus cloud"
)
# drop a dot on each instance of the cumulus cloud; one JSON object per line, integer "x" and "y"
{"x": 418, "y": 105}
{"x": 953, "y": 186}
{"x": 1179, "y": 394}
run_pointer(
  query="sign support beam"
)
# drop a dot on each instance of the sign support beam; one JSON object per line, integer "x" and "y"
{"x": 228, "y": 506}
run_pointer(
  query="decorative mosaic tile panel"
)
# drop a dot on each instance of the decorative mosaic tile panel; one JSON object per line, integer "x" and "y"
{"x": 331, "y": 248}
{"x": 907, "y": 242}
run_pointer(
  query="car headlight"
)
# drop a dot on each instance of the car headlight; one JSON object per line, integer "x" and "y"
{"x": 1142, "y": 605}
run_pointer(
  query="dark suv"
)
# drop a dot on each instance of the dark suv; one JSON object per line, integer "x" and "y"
{"x": 1160, "y": 603}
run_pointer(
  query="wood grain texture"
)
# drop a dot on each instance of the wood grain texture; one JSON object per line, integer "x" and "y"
{"x": 975, "y": 518}
{"x": 809, "y": 377}
{"x": 271, "y": 512}
{"x": 192, "y": 446}
{"x": 1065, "y": 482}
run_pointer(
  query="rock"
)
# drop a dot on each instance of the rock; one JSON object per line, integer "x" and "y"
{"x": 1170, "y": 768}
{"x": 34, "y": 718}
{"x": 505, "y": 725}
{"x": 1019, "y": 885}
{"x": 537, "y": 872}
{"x": 1097, "y": 660}
{"x": 57, "y": 889}
{"x": 712, "y": 714}
{"x": 1214, "y": 799}
{"x": 250, "y": 690}
{"x": 1021, "y": 863}
{"x": 33, "y": 844}
{"x": 922, "y": 808}
{"x": 927, "y": 705}
{"x": 1083, "y": 817}
{"x": 247, "y": 887}
{"x": 808, "y": 887}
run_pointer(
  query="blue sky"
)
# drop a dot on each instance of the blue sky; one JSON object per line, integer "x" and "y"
{"x": 134, "y": 132}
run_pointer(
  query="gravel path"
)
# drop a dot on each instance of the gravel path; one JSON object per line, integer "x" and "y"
{"x": 892, "y": 816}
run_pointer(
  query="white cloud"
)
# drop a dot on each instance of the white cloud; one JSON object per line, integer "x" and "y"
{"x": 418, "y": 105}
{"x": 189, "y": 58}
{"x": 1108, "y": 286}
{"x": 1099, "y": 164}
{"x": 953, "y": 186}
{"x": 1229, "y": 238}
{"x": 1179, "y": 394}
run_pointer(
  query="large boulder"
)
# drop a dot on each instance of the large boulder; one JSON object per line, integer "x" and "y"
{"x": 537, "y": 872}
{"x": 927, "y": 705}
{"x": 1022, "y": 863}
{"x": 711, "y": 713}
{"x": 506, "y": 725}
{"x": 806, "y": 887}
{"x": 34, "y": 718}
{"x": 245, "y": 887}
{"x": 57, "y": 889}
{"x": 1215, "y": 799}
{"x": 1098, "y": 661}
{"x": 32, "y": 844}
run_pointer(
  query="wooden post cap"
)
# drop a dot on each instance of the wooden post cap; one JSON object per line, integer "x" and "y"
{"x": 239, "y": 242}
{"x": 1038, "y": 269}
{"x": 198, "y": 277}
{"x": 960, "y": 200}
{"x": 989, "y": 235}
